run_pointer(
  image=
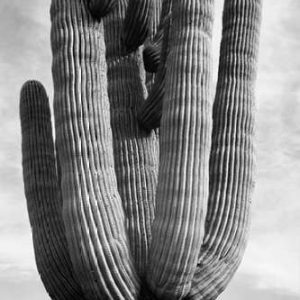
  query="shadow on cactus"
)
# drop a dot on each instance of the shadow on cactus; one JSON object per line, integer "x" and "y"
{"x": 118, "y": 211}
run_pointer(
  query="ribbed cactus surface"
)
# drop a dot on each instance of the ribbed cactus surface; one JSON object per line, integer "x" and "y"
{"x": 232, "y": 152}
{"x": 113, "y": 215}
{"x": 43, "y": 195}
{"x": 153, "y": 47}
{"x": 150, "y": 112}
{"x": 135, "y": 152}
{"x": 182, "y": 188}
{"x": 93, "y": 212}
{"x": 137, "y": 23}
{"x": 155, "y": 21}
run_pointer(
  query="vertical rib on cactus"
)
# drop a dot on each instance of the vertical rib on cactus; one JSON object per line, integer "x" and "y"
{"x": 185, "y": 135}
{"x": 232, "y": 157}
{"x": 155, "y": 22}
{"x": 150, "y": 113}
{"x": 44, "y": 201}
{"x": 92, "y": 208}
{"x": 137, "y": 23}
{"x": 135, "y": 152}
{"x": 153, "y": 48}
{"x": 100, "y": 8}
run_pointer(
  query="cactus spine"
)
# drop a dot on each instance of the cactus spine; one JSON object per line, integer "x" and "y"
{"x": 113, "y": 216}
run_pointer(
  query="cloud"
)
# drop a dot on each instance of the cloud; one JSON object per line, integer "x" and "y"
{"x": 25, "y": 290}
{"x": 16, "y": 253}
{"x": 245, "y": 287}
{"x": 273, "y": 261}
{"x": 24, "y": 54}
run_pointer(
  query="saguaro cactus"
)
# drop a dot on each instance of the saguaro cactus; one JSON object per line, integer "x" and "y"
{"x": 113, "y": 216}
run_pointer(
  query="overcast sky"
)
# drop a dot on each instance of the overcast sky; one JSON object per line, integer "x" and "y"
{"x": 271, "y": 266}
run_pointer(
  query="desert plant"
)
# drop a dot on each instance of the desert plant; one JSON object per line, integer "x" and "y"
{"x": 113, "y": 215}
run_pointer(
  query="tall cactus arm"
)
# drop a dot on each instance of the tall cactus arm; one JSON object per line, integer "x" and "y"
{"x": 43, "y": 195}
{"x": 137, "y": 23}
{"x": 135, "y": 151}
{"x": 92, "y": 209}
{"x": 185, "y": 135}
{"x": 100, "y": 8}
{"x": 149, "y": 114}
{"x": 232, "y": 155}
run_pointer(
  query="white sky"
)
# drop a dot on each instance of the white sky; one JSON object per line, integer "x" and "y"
{"x": 271, "y": 266}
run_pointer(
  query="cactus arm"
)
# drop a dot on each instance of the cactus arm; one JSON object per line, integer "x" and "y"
{"x": 43, "y": 195}
{"x": 92, "y": 209}
{"x": 100, "y": 8}
{"x": 135, "y": 151}
{"x": 182, "y": 189}
{"x": 232, "y": 152}
{"x": 151, "y": 54}
{"x": 150, "y": 112}
{"x": 137, "y": 23}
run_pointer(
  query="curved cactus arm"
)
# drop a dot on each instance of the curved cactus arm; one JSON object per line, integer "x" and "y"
{"x": 232, "y": 154}
{"x": 92, "y": 209}
{"x": 135, "y": 152}
{"x": 150, "y": 112}
{"x": 137, "y": 23}
{"x": 185, "y": 134}
{"x": 100, "y": 8}
{"x": 151, "y": 54}
{"x": 43, "y": 195}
